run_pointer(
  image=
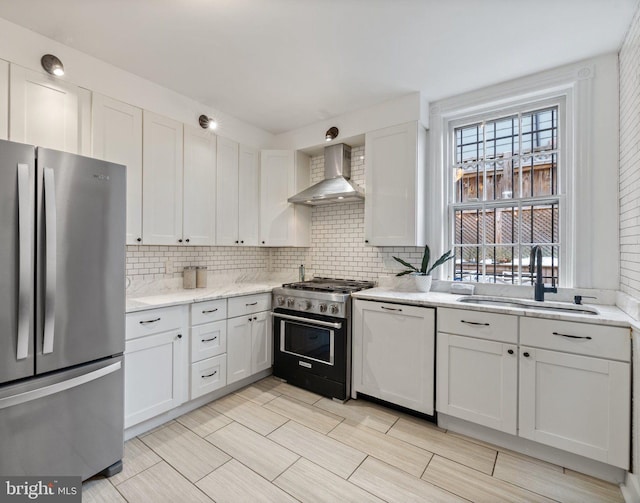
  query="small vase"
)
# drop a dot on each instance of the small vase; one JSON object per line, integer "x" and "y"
{"x": 423, "y": 283}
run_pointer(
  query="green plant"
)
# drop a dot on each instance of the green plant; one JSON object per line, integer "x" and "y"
{"x": 425, "y": 270}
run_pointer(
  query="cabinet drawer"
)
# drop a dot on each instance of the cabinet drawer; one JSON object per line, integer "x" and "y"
{"x": 491, "y": 326}
{"x": 206, "y": 312}
{"x": 247, "y": 304}
{"x": 154, "y": 321}
{"x": 580, "y": 338}
{"x": 208, "y": 375}
{"x": 208, "y": 340}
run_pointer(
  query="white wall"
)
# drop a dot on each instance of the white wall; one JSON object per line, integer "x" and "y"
{"x": 25, "y": 48}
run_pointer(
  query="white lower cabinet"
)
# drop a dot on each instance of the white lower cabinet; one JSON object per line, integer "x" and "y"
{"x": 477, "y": 380}
{"x": 249, "y": 346}
{"x": 393, "y": 353}
{"x": 154, "y": 365}
{"x": 574, "y": 380}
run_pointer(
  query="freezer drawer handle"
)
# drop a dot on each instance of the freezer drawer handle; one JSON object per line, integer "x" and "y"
{"x": 25, "y": 226}
{"x": 74, "y": 382}
{"x": 146, "y": 322}
{"x": 50, "y": 261}
{"x": 572, "y": 336}
{"x": 210, "y": 375}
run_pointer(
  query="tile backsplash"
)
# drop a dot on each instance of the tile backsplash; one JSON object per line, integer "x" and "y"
{"x": 337, "y": 246}
{"x": 629, "y": 179}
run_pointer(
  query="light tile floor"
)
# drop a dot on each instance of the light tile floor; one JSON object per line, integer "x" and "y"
{"x": 272, "y": 442}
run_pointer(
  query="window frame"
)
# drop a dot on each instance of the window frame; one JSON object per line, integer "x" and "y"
{"x": 564, "y": 183}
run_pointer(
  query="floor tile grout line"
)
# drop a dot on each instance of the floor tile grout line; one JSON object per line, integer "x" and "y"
{"x": 231, "y": 458}
{"x": 428, "y": 463}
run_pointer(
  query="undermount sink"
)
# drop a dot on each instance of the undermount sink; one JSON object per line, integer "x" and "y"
{"x": 557, "y": 307}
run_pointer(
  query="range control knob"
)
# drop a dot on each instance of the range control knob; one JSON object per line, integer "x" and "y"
{"x": 323, "y": 308}
{"x": 291, "y": 302}
{"x": 305, "y": 305}
{"x": 334, "y": 308}
{"x": 280, "y": 300}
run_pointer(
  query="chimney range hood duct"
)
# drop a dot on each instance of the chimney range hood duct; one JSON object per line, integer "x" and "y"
{"x": 336, "y": 187}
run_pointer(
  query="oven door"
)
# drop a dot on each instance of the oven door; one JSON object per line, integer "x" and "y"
{"x": 309, "y": 343}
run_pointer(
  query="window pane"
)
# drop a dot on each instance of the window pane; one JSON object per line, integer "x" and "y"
{"x": 540, "y": 224}
{"x": 469, "y": 182}
{"x": 500, "y": 179}
{"x": 468, "y": 265}
{"x": 500, "y": 266}
{"x": 501, "y": 225}
{"x": 467, "y": 227}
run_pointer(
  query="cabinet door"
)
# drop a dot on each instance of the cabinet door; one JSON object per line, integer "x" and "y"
{"x": 262, "y": 342}
{"x": 576, "y": 403}
{"x": 154, "y": 376}
{"x": 117, "y": 137}
{"x": 277, "y": 184}
{"x": 394, "y": 353}
{"x": 249, "y": 196}
{"x": 477, "y": 381}
{"x": 4, "y": 100}
{"x": 239, "y": 348}
{"x": 48, "y": 112}
{"x": 394, "y": 180}
{"x": 199, "y": 208}
{"x": 161, "y": 181}
{"x": 227, "y": 193}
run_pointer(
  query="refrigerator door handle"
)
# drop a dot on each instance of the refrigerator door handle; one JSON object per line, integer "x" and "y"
{"x": 50, "y": 260}
{"x": 74, "y": 382}
{"x": 25, "y": 230}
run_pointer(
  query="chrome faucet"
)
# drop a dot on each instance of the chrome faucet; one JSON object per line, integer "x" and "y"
{"x": 535, "y": 264}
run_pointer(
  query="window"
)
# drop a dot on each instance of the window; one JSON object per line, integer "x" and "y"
{"x": 504, "y": 196}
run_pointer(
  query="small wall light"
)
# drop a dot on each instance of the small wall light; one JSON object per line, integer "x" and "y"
{"x": 52, "y": 65}
{"x": 207, "y": 122}
{"x": 331, "y": 134}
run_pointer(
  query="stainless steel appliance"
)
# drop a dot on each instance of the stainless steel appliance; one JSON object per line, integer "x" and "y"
{"x": 62, "y": 263}
{"x": 312, "y": 334}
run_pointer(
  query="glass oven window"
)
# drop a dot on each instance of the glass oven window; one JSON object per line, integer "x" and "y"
{"x": 308, "y": 341}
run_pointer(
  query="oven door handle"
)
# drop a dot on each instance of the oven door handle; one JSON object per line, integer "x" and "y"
{"x": 321, "y": 323}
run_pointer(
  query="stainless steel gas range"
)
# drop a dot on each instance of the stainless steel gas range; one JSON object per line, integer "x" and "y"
{"x": 312, "y": 334}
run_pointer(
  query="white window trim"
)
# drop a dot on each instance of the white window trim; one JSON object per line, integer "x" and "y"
{"x": 571, "y": 85}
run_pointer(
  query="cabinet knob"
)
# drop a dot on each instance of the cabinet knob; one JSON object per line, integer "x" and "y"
{"x": 241, "y": 242}
{"x": 179, "y": 240}
{"x": 237, "y": 241}
{"x": 263, "y": 242}
{"x": 179, "y": 336}
{"x": 139, "y": 240}
{"x": 510, "y": 351}
{"x": 526, "y": 354}
{"x": 250, "y": 318}
{"x": 187, "y": 240}
{"x": 366, "y": 240}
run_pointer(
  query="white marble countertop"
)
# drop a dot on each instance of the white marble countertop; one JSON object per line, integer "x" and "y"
{"x": 607, "y": 314}
{"x": 184, "y": 296}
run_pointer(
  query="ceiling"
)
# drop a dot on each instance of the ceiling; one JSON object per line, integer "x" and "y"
{"x": 283, "y": 64}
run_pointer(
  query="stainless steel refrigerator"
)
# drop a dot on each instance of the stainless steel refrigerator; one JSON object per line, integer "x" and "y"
{"x": 62, "y": 313}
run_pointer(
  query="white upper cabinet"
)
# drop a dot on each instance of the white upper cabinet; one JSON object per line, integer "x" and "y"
{"x": 394, "y": 207}
{"x": 162, "y": 180}
{"x": 117, "y": 137}
{"x": 199, "y": 205}
{"x": 227, "y": 192}
{"x": 283, "y": 173}
{"x": 49, "y": 112}
{"x": 249, "y": 196}
{"x": 237, "y": 199}
{"x": 4, "y": 100}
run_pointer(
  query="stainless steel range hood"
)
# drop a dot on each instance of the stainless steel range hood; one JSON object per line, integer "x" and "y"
{"x": 336, "y": 187}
